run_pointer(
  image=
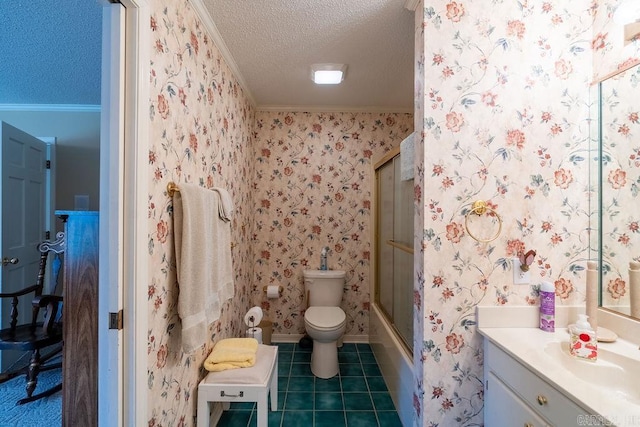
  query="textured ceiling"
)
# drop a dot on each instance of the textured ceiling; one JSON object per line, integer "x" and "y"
{"x": 274, "y": 43}
{"x": 50, "y": 51}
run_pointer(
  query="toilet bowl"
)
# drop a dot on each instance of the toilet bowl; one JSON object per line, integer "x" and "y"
{"x": 324, "y": 320}
{"x": 325, "y": 325}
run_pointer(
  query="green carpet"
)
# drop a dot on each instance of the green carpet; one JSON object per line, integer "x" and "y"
{"x": 43, "y": 412}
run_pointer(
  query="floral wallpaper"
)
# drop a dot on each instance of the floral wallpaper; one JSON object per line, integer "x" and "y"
{"x": 200, "y": 132}
{"x": 505, "y": 119}
{"x": 299, "y": 181}
{"x": 621, "y": 178}
{"x": 313, "y": 188}
{"x": 421, "y": 15}
{"x": 502, "y": 114}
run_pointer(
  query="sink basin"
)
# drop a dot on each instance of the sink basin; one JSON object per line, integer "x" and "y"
{"x": 616, "y": 373}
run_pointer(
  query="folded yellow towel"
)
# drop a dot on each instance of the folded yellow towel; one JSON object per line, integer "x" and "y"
{"x": 232, "y": 353}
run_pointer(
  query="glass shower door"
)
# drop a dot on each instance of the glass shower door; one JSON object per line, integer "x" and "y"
{"x": 394, "y": 244}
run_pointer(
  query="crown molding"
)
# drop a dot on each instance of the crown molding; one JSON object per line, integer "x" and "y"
{"x": 77, "y": 108}
{"x": 212, "y": 29}
{"x": 332, "y": 109}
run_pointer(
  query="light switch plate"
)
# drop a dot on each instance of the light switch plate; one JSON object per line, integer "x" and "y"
{"x": 520, "y": 277}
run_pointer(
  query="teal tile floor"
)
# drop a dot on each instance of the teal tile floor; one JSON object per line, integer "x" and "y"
{"x": 356, "y": 397}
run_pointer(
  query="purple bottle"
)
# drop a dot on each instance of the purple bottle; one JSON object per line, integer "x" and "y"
{"x": 547, "y": 307}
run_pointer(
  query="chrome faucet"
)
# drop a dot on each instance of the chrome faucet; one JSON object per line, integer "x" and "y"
{"x": 323, "y": 258}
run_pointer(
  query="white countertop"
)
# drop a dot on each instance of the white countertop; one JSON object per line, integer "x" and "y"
{"x": 528, "y": 345}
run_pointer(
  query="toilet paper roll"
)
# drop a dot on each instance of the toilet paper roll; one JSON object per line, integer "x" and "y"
{"x": 255, "y": 333}
{"x": 273, "y": 291}
{"x": 253, "y": 316}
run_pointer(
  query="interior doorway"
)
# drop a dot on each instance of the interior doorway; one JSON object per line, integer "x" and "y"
{"x": 25, "y": 212}
{"x": 122, "y": 173}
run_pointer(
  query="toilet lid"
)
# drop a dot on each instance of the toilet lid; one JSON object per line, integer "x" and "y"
{"x": 325, "y": 317}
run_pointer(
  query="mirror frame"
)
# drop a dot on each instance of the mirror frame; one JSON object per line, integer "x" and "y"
{"x": 598, "y": 164}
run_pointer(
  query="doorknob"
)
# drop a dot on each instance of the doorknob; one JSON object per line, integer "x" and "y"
{"x": 6, "y": 261}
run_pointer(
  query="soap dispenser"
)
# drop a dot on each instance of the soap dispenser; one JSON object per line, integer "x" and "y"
{"x": 584, "y": 343}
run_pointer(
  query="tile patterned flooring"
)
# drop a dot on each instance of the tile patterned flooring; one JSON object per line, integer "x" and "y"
{"x": 356, "y": 397}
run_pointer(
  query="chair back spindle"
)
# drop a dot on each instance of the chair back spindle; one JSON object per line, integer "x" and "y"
{"x": 14, "y": 315}
{"x": 44, "y": 253}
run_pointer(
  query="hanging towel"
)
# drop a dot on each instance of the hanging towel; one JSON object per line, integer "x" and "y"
{"x": 203, "y": 261}
{"x": 406, "y": 158}
{"x": 232, "y": 353}
{"x": 225, "y": 207}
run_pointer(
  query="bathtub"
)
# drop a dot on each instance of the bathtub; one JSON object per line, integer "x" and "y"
{"x": 396, "y": 365}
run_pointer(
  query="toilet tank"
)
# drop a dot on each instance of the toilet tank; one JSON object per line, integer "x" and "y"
{"x": 324, "y": 287}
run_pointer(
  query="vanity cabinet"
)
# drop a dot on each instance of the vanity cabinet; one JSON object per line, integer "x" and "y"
{"x": 502, "y": 407}
{"x": 515, "y": 396}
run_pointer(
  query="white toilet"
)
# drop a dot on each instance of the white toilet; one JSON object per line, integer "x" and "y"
{"x": 324, "y": 320}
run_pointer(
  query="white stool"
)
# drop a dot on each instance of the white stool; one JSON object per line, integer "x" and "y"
{"x": 242, "y": 385}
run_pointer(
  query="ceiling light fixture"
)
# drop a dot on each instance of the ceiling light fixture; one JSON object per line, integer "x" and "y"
{"x": 328, "y": 74}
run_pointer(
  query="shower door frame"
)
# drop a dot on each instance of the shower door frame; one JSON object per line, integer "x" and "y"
{"x": 388, "y": 157}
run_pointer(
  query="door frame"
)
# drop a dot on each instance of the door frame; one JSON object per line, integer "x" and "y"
{"x": 123, "y": 273}
{"x": 50, "y": 203}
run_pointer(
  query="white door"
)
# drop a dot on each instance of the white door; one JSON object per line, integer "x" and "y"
{"x": 23, "y": 210}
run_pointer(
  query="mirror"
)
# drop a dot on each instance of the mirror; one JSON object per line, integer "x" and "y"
{"x": 618, "y": 181}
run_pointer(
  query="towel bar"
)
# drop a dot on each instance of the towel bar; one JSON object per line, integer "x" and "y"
{"x": 172, "y": 188}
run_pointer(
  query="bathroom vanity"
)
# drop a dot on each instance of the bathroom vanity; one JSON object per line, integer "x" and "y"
{"x": 531, "y": 380}
{"x": 517, "y": 396}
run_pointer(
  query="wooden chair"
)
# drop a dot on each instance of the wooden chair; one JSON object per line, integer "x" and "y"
{"x": 37, "y": 335}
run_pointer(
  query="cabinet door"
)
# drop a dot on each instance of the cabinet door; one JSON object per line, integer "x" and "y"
{"x": 502, "y": 408}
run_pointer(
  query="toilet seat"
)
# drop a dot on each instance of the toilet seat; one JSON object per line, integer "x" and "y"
{"x": 325, "y": 318}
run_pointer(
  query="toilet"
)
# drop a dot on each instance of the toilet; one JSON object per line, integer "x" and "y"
{"x": 324, "y": 320}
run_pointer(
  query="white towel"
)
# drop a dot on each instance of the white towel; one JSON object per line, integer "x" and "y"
{"x": 406, "y": 158}
{"x": 203, "y": 261}
{"x": 225, "y": 206}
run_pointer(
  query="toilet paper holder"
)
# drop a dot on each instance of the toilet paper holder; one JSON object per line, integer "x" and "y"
{"x": 280, "y": 289}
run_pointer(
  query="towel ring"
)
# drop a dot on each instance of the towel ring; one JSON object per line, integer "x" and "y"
{"x": 479, "y": 208}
